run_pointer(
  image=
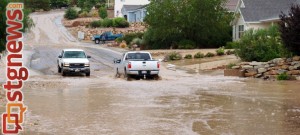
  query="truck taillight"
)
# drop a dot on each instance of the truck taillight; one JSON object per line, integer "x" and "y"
{"x": 129, "y": 65}
{"x": 158, "y": 65}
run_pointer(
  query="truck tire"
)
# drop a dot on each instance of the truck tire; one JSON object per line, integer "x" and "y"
{"x": 58, "y": 69}
{"x": 127, "y": 76}
{"x": 97, "y": 41}
{"x": 117, "y": 74}
{"x": 88, "y": 73}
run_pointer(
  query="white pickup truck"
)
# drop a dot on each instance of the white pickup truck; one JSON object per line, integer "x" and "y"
{"x": 73, "y": 61}
{"x": 137, "y": 64}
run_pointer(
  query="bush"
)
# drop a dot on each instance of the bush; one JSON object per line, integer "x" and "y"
{"x": 289, "y": 28}
{"x": 186, "y": 44}
{"x": 230, "y": 45}
{"x": 71, "y": 13}
{"x": 120, "y": 22}
{"x": 283, "y": 76}
{"x": 260, "y": 45}
{"x": 102, "y": 12}
{"x": 123, "y": 45}
{"x": 220, "y": 51}
{"x": 107, "y": 22}
{"x": 119, "y": 40}
{"x": 83, "y": 14}
{"x": 199, "y": 55}
{"x": 173, "y": 56}
{"x": 209, "y": 54}
{"x": 229, "y": 52}
{"x": 137, "y": 41}
{"x": 188, "y": 56}
{"x": 95, "y": 24}
{"x": 230, "y": 65}
{"x": 130, "y": 36}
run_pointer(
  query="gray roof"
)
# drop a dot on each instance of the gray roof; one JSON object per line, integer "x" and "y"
{"x": 259, "y": 10}
{"x": 231, "y": 5}
{"x": 132, "y": 7}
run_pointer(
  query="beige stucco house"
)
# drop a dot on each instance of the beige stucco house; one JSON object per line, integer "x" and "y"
{"x": 258, "y": 14}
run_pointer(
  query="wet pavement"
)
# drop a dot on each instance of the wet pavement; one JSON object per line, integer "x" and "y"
{"x": 182, "y": 103}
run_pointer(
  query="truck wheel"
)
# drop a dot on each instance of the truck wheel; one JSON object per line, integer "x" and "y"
{"x": 97, "y": 41}
{"x": 127, "y": 76}
{"x": 88, "y": 74}
{"x": 157, "y": 77}
{"x": 58, "y": 69}
{"x": 117, "y": 74}
{"x": 64, "y": 73}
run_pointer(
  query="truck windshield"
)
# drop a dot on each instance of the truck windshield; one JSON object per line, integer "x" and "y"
{"x": 138, "y": 56}
{"x": 74, "y": 54}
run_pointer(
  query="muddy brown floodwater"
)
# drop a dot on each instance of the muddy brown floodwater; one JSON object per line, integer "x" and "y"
{"x": 182, "y": 103}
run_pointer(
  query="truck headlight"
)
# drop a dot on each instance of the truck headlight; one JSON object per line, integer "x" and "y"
{"x": 66, "y": 64}
{"x": 87, "y": 64}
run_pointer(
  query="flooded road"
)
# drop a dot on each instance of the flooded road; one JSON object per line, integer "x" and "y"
{"x": 179, "y": 104}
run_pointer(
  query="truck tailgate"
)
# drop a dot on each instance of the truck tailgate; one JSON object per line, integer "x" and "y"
{"x": 144, "y": 65}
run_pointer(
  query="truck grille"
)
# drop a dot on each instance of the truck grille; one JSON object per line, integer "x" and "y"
{"x": 77, "y": 65}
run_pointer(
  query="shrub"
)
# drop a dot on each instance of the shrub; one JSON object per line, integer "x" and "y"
{"x": 95, "y": 24}
{"x": 230, "y": 65}
{"x": 229, "y": 52}
{"x": 119, "y": 40}
{"x": 173, "y": 56}
{"x": 209, "y": 54}
{"x": 188, "y": 56}
{"x": 230, "y": 45}
{"x": 123, "y": 45}
{"x": 260, "y": 45}
{"x": 130, "y": 36}
{"x": 107, "y": 22}
{"x": 120, "y": 22}
{"x": 199, "y": 55}
{"x": 102, "y": 12}
{"x": 220, "y": 51}
{"x": 137, "y": 41}
{"x": 186, "y": 44}
{"x": 71, "y": 13}
{"x": 83, "y": 14}
{"x": 289, "y": 28}
{"x": 283, "y": 76}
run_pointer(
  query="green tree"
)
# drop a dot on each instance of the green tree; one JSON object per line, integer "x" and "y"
{"x": 38, "y": 4}
{"x": 204, "y": 21}
{"x": 3, "y": 4}
{"x": 59, "y": 3}
{"x": 290, "y": 29}
{"x": 102, "y": 12}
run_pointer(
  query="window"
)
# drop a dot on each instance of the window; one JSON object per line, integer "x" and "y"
{"x": 241, "y": 30}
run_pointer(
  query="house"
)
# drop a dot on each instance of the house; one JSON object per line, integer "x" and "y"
{"x": 258, "y": 14}
{"x": 134, "y": 13}
{"x": 231, "y": 5}
{"x": 120, "y": 3}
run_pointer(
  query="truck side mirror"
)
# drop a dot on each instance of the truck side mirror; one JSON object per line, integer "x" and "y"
{"x": 59, "y": 56}
{"x": 89, "y": 57}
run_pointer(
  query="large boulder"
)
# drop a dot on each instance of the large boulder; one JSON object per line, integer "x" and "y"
{"x": 262, "y": 70}
{"x": 296, "y": 58}
{"x": 247, "y": 67}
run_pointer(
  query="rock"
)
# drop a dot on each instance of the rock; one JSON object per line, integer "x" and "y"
{"x": 298, "y": 78}
{"x": 254, "y": 63}
{"x": 289, "y": 60}
{"x": 281, "y": 71}
{"x": 250, "y": 72}
{"x": 267, "y": 66}
{"x": 296, "y": 58}
{"x": 247, "y": 67}
{"x": 258, "y": 75}
{"x": 278, "y": 60}
{"x": 295, "y": 63}
{"x": 285, "y": 67}
{"x": 291, "y": 68}
{"x": 272, "y": 65}
{"x": 244, "y": 63}
{"x": 262, "y": 70}
{"x": 272, "y": 72}
{"x": 293, "y": 72}
{"x": 297, "y": 66}
{"x": 235, "y": 67}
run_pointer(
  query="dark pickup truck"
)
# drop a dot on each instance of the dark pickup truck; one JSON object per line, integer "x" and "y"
{"x": 106, "y": 36}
